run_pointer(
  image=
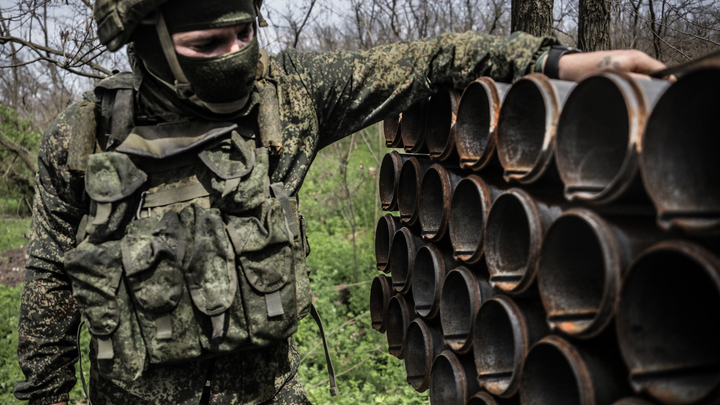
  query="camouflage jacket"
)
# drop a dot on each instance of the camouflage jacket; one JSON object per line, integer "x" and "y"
{"x": 323, "y": 98}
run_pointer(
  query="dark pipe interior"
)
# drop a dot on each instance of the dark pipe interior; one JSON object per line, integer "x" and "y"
{"x": 397, "y": 322}
{"x": 417, "y": 363}
{"x": 592, "y": 135}
{"x": 445, "y": 388}
{"x": 467, "y": 218}
{"x": 494, "y": 346}
{"x": 391, "y": 125}
{"x": 388, "y": 180}
{"x": 571, "y": 273}
{"x": 439, "y": 121}
{"x": 472, "y": 128}
{"x": 548, "y": 378}
{"x": 383, "y": 236}
{"x": 521, "y": 127}
{"x": 681, "y": 143}
{"x": 507, "y": 248}
{"x": 668, "y": 319}
{"x": 399, "y": 259}
{"x": 408, "y": 189}
{"x": 456, "y": 311}
{"x": 431, "y": 202}
{"x": 424, "y": 279}
{"x": 379, "y": 299}
{"x": 413, "y": 124}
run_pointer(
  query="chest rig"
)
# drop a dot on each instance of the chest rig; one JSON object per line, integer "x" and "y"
{"x": 188, "y": 251}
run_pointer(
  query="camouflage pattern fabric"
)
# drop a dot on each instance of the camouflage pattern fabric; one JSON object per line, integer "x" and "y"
{"x": 323, "y": 98}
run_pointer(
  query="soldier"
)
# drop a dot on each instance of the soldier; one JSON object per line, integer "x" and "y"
{"x": 165, "y": 211}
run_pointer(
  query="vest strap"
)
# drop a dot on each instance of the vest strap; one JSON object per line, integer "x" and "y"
{"x": 282, "y": 195}
{"x": 173, "y": 195}
{"x": 331, "y": 369}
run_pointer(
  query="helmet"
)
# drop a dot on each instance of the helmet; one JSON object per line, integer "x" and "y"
{"x": 117, "y": 19}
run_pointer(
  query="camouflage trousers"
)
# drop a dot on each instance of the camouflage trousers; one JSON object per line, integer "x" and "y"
{"x": 253, "y": 377}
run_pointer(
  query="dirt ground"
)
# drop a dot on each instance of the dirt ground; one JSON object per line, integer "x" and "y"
{"x": 12, "y": 266}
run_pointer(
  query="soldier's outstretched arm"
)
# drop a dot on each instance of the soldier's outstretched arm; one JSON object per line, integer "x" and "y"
{"x": 49, "y": 318}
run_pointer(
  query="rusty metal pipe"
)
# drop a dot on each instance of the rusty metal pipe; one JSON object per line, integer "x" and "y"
{"x": 424, "y": 343}
{"x": 399, "y": 315}
{"x": 380, "y": 294}
{"x": 556, "y": 372}
{"x": 527, "y": 124}
{"x": 513, "y": 233}
{"x": 668, "y": 318}
{"x": 436, "y": 193}
{"x": 389, "y": 179}
{"x": 452, "y": 379}
{"x": 409, "y": 183}
{"x": 384, "y": 232}
{"x": 401, "y": 261}
{"x": 469, "y": 209}
{"x": 429, "y": 270}
{"x": 462, "y": 294}
{"x": 391, "y": 131}
{"x": 412, "y": 127}
{"x": 440, "y": 124}
{"x": 598, "y": 137}
{"x": 485, "y": 398}
{"x": 503, "y": 334}
{"x": 582, "y": 259}
{"x": 679, "y": 163}
{"x": 475, "y": 128}
{"x": 632, "y": 401}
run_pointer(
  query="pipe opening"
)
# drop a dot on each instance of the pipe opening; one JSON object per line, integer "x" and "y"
{"x": 472, "y": 129}
{"x": 408, "y": 183}
{"x": 521, "y": 127}
{"x": 388, "y": 181}
{"x": 457, "y": 309}
{"x": 419, "y": 355}
{"x": 494, "y": 347}
{"x": 432, "y": 201}
{"x": 508, "y": 245}
{"x": 426, "y": 279}
{"x": 391, "y": 125}
{"x": 668, "y": 322}
{"x": 384, "y": 232}
{"x": 413, "y": 127}
{"x": 467, "y": 220}
{"x": 402, "y": 251}
{"x": 548, "y": 378}
{"x": 679, "y": 153}
{"x": 397, "y": 323}
{"x": 439, "y": 122}
{"x": 447, "y": 381}
{"x": 380, "y": 294}
{"x": 592, "y": 136}
{"x": 571, "y": 274}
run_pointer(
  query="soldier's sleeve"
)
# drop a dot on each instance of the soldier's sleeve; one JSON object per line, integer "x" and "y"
{"x": 49, "y": 318}
{"x": 352, "y": 90}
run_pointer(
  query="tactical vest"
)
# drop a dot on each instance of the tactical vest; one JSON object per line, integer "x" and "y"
{"x": 188, "y": 252}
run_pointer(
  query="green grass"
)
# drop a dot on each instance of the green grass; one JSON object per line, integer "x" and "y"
{"x": 13, "y": 233}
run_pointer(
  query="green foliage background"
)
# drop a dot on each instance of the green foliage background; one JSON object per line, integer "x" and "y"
{"x": 16, "y": 179}
{"x": 366, "y": 373}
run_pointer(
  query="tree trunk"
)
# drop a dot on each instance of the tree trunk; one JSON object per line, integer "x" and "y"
{"x": 532, "y": 16}
{"x": 594, "y": 25}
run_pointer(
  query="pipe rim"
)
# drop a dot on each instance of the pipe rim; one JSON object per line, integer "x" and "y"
{"x": 426, "y": 337}
{"x": 434, "y": 226}
{"x": 402, "y": 275}
{"x": 379, "y": 320}
{"x": 483, "y": 398}
{"x": 469, "y": 159}
{"x": 441, "y": 152}
{"x": 395, "y": 347}
{"x": 383, "y": 231}
{"x": 493, "y": 257}
{"x": 551, "y": 105}
{"x": 474, "y": 253}
{"x": 461, "y": 384}
{"x": 521, "y": 343}
{"x": 411, "y": 172}
{"x": 469, "y": 282}
{"x": 438, "y": 275}
{"x": 612, "y": 269}
{"x": 389, "y": 173}
{"x": 573, "y": 359}
{"x": 709, "y": 265}
{"x": 412, "y": 131}
{"x": 391, "y": 127}
{"x": 634, "y": 99}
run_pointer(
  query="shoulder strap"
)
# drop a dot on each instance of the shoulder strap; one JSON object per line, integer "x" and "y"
{"x": 116, "y": 96}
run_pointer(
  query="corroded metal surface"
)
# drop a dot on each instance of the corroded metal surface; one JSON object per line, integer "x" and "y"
{"x": 411, "y": 176}
{"x": 384, "y": 232}
{"x": 434, "y": 200}
{"x": 440, "y": 127}
{"x": 430, "y": 267}
{"x": 424, "y": 343}
{"x": 475, "y": 128}
{"x": 380, "y": 294}
{"x": 389, "y": 179}
{"x": 452, "y": 379}
{"x": 399, "y": 316}
{"x": 485, "y": 398}
{"x": 403, "y": 250}
{"x": 412, "y": 127}
{"x": 391, "y": 131}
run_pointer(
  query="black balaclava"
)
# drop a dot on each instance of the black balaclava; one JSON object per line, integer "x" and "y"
{"x": 221, "y": 84}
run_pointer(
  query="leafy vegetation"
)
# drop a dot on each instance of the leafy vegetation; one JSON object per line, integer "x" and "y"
{"x": 17, "y": 162}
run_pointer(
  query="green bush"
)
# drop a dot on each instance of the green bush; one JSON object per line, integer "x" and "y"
{"x": 9, "y": 369}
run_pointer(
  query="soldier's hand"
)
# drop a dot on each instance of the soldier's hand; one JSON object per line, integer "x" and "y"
{"x": 578, "y": 66}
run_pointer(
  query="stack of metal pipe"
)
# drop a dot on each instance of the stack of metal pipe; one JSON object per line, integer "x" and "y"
{"x": 555, "y": 243}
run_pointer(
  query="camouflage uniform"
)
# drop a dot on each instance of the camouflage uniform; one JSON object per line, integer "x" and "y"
{"x": 323, "y": 98}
